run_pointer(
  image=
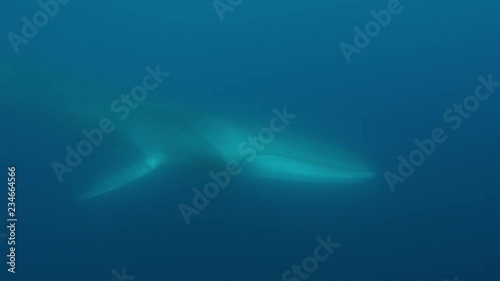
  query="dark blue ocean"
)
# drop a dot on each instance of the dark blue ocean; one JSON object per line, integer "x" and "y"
{"x": 411, "y": 87}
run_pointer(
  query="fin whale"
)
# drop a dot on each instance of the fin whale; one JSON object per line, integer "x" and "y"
{"x": 163, "y": 135}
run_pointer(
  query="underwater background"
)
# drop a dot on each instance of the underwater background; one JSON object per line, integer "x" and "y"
{"x": 441, "y": 223}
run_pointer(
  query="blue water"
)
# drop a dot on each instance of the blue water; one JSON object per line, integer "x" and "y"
{"x": 441, "y": 223}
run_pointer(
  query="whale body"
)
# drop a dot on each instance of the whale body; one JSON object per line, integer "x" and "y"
{"x": 163, "y": 136}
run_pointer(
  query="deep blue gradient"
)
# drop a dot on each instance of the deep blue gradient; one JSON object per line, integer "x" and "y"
{"x": 440, "y": 223}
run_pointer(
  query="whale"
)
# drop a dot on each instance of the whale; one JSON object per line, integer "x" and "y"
{"x": 110, "y": 139}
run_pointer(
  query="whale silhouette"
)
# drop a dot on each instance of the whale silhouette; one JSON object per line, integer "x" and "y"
{"x": 129, "y": 139}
